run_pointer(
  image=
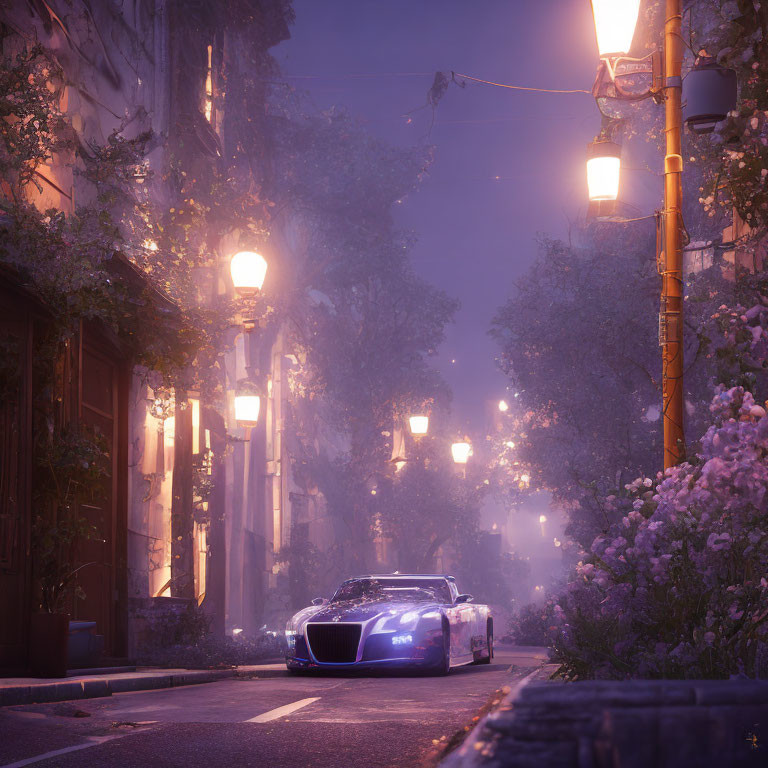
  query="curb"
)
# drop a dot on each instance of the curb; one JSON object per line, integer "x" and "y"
{"x": 468, "y": 754}
{"x": 255, "y": 672}
{"x": 261, "y": 675}
{"x": 70, "y": 690}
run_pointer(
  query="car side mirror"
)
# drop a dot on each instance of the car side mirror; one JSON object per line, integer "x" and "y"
{"x": 319, "y": 601}
{"x": 464, "y": 599}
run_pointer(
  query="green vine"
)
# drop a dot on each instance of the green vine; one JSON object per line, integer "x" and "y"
{"x": 70, "y": 468}
{"x": 32, "y": 126}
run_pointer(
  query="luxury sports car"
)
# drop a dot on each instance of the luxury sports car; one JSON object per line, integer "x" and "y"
{"x": 396, "y": 620}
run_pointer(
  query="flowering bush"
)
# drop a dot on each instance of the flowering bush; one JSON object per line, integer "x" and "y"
{"x": 679, "y": 587}
{"x": 731, "y": 33}
{"x": 533, "y": 624}
{"x": 739, "y": 340}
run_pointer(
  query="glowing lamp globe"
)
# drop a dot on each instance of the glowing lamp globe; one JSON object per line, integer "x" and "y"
{"x": 603, "y": 170}
{"x": 461, "y": 452}
{"x": 419, "y": 425}
{"x": 503, "y": 406}
{"x": 248, "y": 270}
{"x": 247, "y": 410}
{"x": 615, "y": 22}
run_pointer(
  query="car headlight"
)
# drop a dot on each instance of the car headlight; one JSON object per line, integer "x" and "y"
{"x": 402, "y": 639}
{"x": 290, "y": 638}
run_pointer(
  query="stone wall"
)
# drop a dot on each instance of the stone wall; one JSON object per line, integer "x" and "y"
{"x": 632, "y": 724}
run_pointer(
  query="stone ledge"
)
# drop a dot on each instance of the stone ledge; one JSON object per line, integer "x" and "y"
{"x": 632, "y": 724}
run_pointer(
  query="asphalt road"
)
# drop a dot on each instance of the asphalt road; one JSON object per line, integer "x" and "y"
{"x": 278, "y": 722}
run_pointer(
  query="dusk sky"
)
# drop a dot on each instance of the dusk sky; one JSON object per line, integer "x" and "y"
{"x": 476, "y": 233}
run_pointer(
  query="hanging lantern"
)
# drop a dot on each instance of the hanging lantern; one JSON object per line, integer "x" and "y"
{"x": 603, "y": 170}
{"x": 461, "y": 452}
{"x": 248, "y": 270}
{"x": 709, "y": 94}
{"x": 615, "y": 22}
{"x": 419, "y": 425}
{"x": 247, "y": 410}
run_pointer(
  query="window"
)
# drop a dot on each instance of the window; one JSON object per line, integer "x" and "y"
{"x": 209, "y": 86}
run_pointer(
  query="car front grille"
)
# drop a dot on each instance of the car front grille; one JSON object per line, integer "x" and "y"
{"x": 334, "y": 643}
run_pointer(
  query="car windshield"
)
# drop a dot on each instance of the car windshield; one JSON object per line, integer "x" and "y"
{"x": 401, "y": 590}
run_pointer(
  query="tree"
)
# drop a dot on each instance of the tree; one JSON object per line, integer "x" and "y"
{"x": 426, "y": 505}
{"x": 363, "y": 323}
{"x": 578, "y": 340}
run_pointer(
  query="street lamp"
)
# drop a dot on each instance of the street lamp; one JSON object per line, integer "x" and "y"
{"x": 503, "y": 406}
{"x": 461, "y": 452}
{"x": 248, "y": 270}
{"x": 247, "y": 409}
{"x": 419, "y": 425}
{"x": 615, "y": 22}
{"x": 603, "y": 170}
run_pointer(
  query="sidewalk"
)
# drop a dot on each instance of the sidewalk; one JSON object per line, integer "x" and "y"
{"x": 35, "y": 690}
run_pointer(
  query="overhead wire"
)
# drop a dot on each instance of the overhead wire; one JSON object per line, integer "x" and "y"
{"x": 454, "y": 75}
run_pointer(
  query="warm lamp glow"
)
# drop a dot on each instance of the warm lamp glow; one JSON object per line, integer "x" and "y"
{"x": 503, "y": 406}
{"x": 603, "y": 178}
{"x": 247, "y": 410}
{"x": 509, "y": 444}
{"x": 542, "y": 518}
{"x": 248, "y": 270}
{"x": 615, "y": 22}
{"x": 603, "y": 170}
{"x": 461, "y": 452}
{"x": 419, "y": 425}
{"x": 194, "y": 403}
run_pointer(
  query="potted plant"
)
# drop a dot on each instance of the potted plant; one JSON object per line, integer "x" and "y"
{"x": 71, "y": 468}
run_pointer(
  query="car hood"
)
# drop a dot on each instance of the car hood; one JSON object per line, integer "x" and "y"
{"x": 359, "y": 611}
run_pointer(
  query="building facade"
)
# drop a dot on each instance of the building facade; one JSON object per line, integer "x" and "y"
{"x": 197, "y": 508}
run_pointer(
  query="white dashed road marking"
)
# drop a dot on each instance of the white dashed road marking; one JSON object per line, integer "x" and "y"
{"x": 93, "y": 741}
{"x": 274, "y": 714}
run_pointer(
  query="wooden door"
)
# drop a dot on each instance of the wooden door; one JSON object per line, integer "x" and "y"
{"x": 98, "y": 409}
{"x": 15, "y": 459}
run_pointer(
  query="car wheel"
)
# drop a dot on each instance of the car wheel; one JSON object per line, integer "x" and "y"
{"x": 489, "y": 658}
{"x": 444, "y": 666}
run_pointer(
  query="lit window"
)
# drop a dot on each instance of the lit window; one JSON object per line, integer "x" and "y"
{"x": 209, "y": 86}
